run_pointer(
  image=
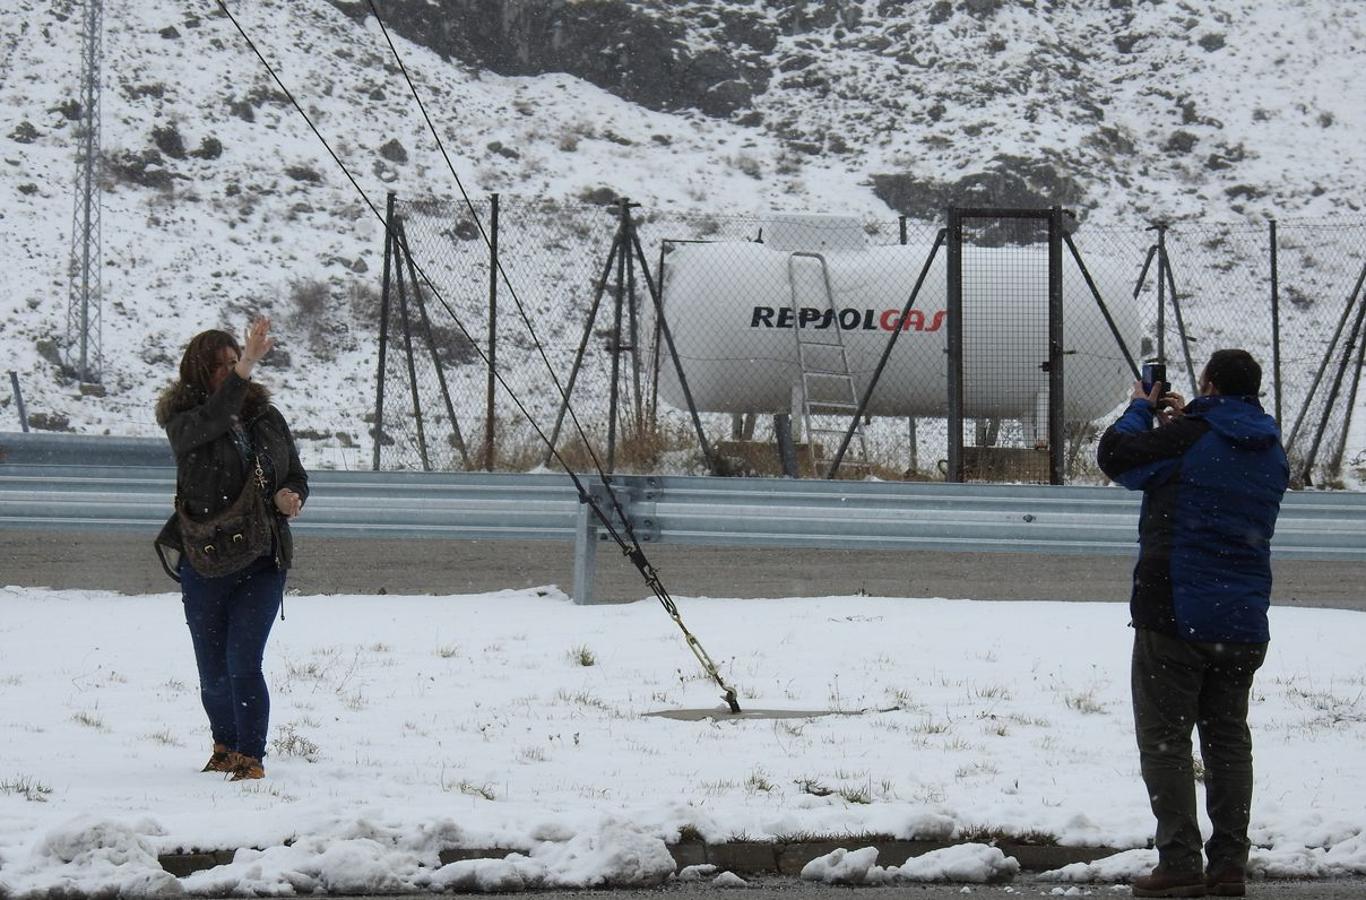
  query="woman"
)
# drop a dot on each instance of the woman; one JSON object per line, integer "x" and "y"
{"x": 224, "y": 431}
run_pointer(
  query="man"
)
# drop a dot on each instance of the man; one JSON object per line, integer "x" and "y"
{"x": 1212, "y": 475}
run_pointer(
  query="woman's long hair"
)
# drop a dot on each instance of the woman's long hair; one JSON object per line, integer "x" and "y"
{"x": 203, "y": 355}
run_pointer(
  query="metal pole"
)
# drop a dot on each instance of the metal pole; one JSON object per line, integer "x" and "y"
{"x": 886, "y": 354}
{"x": 1143, "y": 272}
{"x": 1276, "y": 320}
{"x": 635, "y": 332}
{"x": 19, "y": 400}
{"x": 383, "y": 327}
{"x": 490, "y": 419}
{"x": 613, "y": 395}
{"x": 1180, "y": 324}
{"x": 431, "y": 347}
{"x": 585, "y": 553}
{"x": 1057, "y": 440}
{"x": 914, "y": 445}
{"x": 654, "y": 349}
{"x": 412, "y": 363}
{"x": 901, "y": 227}
{"x": 955, "y": 345}
{"x": 1161, "y": 293}
{"x": 787, "y": 451}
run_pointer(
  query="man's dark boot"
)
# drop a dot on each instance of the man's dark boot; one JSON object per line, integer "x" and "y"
{"x": 1170, "y": 884}
{"x": 1226, "y": 882}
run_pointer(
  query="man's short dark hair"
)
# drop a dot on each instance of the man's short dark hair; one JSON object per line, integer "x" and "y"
{"x": 1234, "y": 373}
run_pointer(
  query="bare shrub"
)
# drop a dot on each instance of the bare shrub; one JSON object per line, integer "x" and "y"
{"x": 290, "y": 743}
{"x": 310, "y": 297}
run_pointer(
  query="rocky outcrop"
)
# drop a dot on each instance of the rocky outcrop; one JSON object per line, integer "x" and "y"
{"x": 1008, "y": 181}
{"x": 639, "y": 57}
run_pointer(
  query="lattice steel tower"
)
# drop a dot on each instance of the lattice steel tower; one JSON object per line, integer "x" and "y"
{"x": 84, "y": 355}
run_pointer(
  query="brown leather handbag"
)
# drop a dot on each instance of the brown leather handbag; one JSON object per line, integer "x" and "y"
{"x": 230, "y": 540}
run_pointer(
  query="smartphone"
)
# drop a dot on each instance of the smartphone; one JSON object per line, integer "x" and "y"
{"x": 1155, "y": 373}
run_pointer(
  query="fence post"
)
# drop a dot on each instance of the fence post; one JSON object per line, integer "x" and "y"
{"x": 910, "y": 420}
{"x": 1162, "y": 292}
{"x": 1275, "y": 320}
{"x": 383, "y": 327}
{"x": 1057, "y": 438}
{"x": 493, "y": 334}
{"x": 955, "y": 345}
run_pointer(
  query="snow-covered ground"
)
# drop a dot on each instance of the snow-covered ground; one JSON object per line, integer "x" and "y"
{"x": 402, "y": 725}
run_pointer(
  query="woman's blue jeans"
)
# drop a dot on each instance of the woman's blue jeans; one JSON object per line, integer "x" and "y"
{"x": 230, "y": 619}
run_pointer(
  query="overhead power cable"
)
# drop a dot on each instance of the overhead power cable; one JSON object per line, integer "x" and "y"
{"x": 633, "y": 550}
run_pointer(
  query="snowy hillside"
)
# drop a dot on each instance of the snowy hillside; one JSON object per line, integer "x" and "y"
{"x": 220, "y": 203}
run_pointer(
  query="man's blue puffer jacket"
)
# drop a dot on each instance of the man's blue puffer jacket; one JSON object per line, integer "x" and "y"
{"x": 1212, "y": 483}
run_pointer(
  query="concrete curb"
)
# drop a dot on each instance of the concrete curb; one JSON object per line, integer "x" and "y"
{"x": 789, "y": 857}
{"x": 740, "y": 857}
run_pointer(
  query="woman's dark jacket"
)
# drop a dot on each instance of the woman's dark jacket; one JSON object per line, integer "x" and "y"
{"x": 1212, "y": 482}
{"x": 210, "y": 469}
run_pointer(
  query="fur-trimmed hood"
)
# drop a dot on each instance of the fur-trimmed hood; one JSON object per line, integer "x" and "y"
{"x": 178, "y": 397}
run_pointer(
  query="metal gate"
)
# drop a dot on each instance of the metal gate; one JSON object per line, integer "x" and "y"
{"x": 1005, "y": 345}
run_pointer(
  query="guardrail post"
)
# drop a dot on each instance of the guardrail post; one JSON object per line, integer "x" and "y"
{"x": 585, "y": 553}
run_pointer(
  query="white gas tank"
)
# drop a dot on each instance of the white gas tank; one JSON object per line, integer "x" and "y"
{"x": 731, "y": 309}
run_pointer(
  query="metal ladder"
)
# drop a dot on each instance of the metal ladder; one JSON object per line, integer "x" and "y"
{"x": 827, "y": 386}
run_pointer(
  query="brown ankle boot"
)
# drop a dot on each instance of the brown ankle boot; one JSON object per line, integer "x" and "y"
{"x": 1170, "y": 884}
{"x": 248, "y": 768}
{"x": 222, "y": 760}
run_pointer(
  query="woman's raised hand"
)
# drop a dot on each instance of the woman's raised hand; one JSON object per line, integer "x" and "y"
{"x": 258, "y": 341}
{"x": 257, "y": 344}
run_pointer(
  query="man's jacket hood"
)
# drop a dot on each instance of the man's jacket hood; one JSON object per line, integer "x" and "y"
{"x": 1239, "y": 420}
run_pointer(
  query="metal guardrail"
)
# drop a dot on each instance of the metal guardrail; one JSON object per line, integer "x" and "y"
{"x": 49, "y": 448}
{"x": 753, "y": 512}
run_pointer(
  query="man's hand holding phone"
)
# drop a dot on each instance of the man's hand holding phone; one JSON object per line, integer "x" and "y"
{"x": 1155, "y": 388}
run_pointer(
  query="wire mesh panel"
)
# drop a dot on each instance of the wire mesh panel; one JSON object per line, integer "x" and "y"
{"x": 527, "y": 320}
{"x": 1216, "y": 294}
{"x": 799, "y": 327}
{"x": 1322, "y": 266}
{"x": 431, "y": 388}
{"x": 556, "y": 258}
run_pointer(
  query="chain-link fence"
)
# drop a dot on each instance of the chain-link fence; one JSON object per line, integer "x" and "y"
{"x": 1322, "y": 267}
{"x": 784, "y": 326}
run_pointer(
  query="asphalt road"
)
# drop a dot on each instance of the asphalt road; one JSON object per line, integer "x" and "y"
{"x": 125, "y": 561}
{"x": 793, "y": 889}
